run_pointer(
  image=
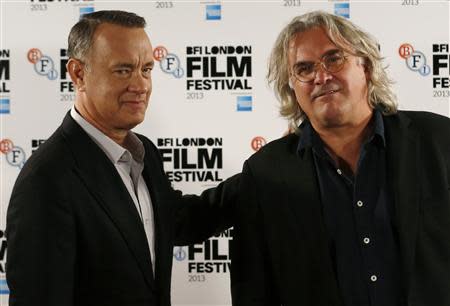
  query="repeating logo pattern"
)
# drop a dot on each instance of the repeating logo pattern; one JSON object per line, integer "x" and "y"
{"x": 43, "y": 64}
{"x": 15, "y": 155}
{"x": 258, "y": 142}
{"x": 244, "y": 103}
{"x": 213, "y": 12}
{"x": 168, "y": 62}
{"x": 415, "y": 60}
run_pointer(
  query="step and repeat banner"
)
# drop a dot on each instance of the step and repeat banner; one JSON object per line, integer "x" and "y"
{"x": 211, "y": 107}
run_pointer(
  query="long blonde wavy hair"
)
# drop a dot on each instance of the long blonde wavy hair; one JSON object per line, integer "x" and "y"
{"x": 343, "y": 34}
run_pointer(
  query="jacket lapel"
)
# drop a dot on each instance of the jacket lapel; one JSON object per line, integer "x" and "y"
{"x": 153, "y": 181}
{"x": 102, "y": 180}
{"x": 300, "y": 176}
{"x": 300, "y": 180}
{"x": 301, "y": 186}
{"x": 301, "y": 192}
{"x": 403, "y": 162}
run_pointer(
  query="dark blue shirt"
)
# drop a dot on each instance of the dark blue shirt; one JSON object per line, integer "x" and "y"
{"x": 358, "y": 214}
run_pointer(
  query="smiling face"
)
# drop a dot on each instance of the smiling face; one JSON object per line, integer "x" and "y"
{"x": 331, "y": 99}
{"x": 115, "y": 82}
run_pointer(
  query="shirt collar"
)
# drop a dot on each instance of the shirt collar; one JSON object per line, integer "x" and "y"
{"x": 378, "y": 130}
{"x": 309, "y": 137}
{"x": 307, "y": 134}
{"x": 114, "y": 151}
{"x": 134, "y": 144}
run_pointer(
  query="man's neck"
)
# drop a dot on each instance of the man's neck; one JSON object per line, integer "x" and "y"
{"x": 344, "y": 143}
{"x": 117, "y": 135}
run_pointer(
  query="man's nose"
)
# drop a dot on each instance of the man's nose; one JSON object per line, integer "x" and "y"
{"x": 139, "y": 83}
{"x": 322, "y": 76}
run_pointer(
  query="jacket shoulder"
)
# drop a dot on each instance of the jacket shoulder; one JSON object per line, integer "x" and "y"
{"x": 432, "y": 127}
{"x": 427, "y": 121}
{"x": 44, "y": 174}
{"x": 53, "y": 154}
{"x": 274, "y": 149}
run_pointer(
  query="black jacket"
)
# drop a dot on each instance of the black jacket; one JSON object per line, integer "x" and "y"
{"x": 74, "y": 235}
{"x": 281, "y": 254}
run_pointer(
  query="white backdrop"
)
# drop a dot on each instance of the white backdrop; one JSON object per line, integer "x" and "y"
{"x": 224, "y": 125}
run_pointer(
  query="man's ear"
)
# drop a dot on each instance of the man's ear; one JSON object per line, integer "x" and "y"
{"x": 365, "y": 64}
{"x": 76, "y": 70}
{"x": 291, "y": 86}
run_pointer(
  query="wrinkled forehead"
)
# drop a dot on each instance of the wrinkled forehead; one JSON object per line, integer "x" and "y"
{"x": 315, "y": 42}
{"x": 114, "y": 40}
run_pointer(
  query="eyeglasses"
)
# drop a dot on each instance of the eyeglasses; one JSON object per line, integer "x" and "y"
{"x": 332, "y": 63}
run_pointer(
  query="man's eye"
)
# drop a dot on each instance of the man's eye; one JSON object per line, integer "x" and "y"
{"x": 122, "y": 71}
{"x": 333, "y": 59}
{"x": 147, "y": 71}
{"x": 303, "y": 69}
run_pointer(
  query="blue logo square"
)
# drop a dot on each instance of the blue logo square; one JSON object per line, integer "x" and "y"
{"x": 213, "y": 12}
{"x": 244, "y": 103}
{"x": 86, "y": 10}
{"x": 4, "y": 106}
{"x": 342, "y": 9}
{"x": 3, "y": 287}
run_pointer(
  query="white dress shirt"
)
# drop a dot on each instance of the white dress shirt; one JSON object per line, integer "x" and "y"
{"x": 129, "y": 164}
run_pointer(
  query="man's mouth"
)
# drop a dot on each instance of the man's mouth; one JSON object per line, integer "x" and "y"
{"x": 325, "y": 93}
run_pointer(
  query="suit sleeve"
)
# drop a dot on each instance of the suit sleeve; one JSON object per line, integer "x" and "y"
{"x": 41, "y": 244}
{"x": 252, "y": 281}
{"x": 200, "y": 217}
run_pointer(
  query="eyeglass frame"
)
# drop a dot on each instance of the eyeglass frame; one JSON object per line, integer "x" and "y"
{"x": 321, "y": 62}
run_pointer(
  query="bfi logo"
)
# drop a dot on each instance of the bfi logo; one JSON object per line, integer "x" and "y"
{"x": 43, "y": 64}
{"x": 15, "y": 155}
{"x": 168, "y": 62}
{"x": 258, "y": 142}
{"x": 415, "y": 59}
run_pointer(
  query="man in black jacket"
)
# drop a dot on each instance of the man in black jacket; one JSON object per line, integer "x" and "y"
{"x": 353, "y": 208}
{"x": 92, "y": 218}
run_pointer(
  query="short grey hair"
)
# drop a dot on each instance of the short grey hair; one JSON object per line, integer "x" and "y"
{"x": 80, "y": 36}
{"x": 346, "y": 36}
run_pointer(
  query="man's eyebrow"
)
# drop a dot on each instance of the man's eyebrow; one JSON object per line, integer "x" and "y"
{"x": 329, "y": 52}
{"x": 123, "y": 65}
{"x": 150, "y": 63}
{"x": 132, "y": 66}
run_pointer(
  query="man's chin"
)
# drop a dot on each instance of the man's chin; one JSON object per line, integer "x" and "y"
{"x": 331, "y": 116}
{"x": 133, "y": 122}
